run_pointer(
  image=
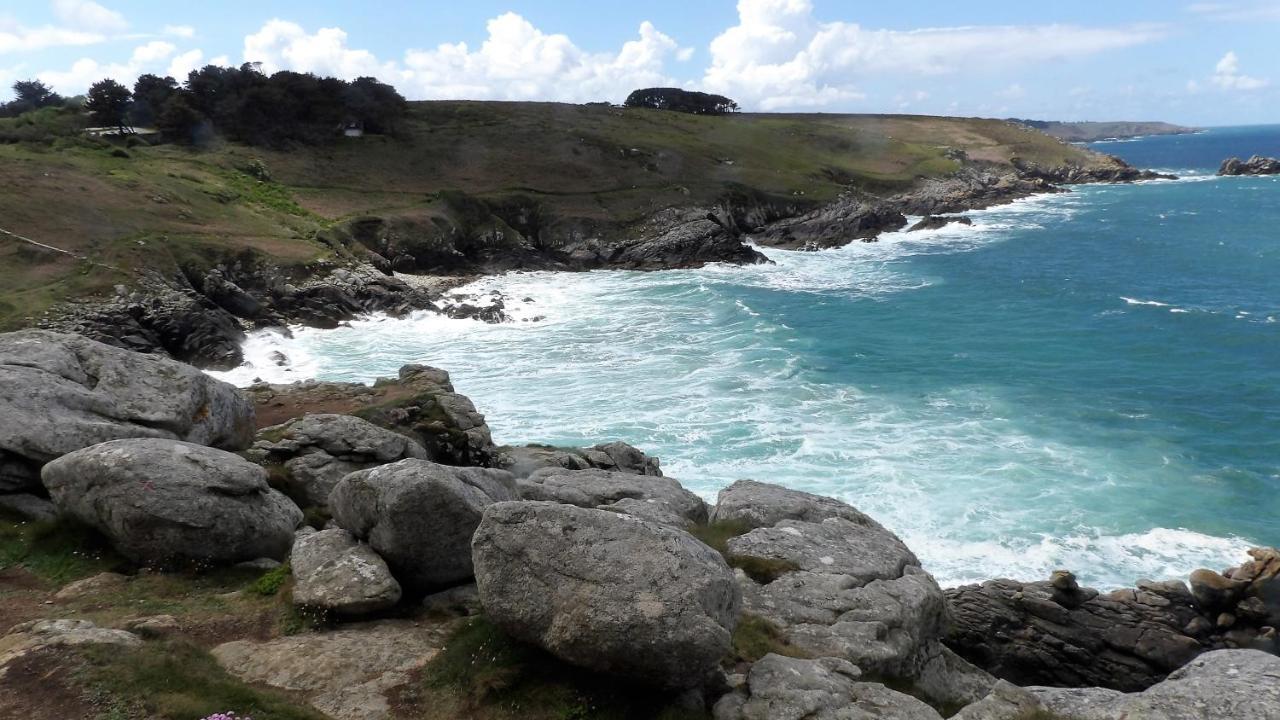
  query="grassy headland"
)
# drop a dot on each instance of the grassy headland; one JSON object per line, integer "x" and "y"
{"x": 123, "y": 211}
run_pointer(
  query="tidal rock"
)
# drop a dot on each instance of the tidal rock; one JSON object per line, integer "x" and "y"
{"x": 1256, "y": 165}
{"x": 682, "y": 239}
{"x": 606, "y": 591}
{"x": 784, "y": 688}
{"x": 316, "y": 451}
{"x": 1222, "y": 685}
{"x": 1025, "y": 633}
{"x": 420, "y": 516}
{"x": 62, "y": 393}
{"x": 614, "y": 456}
{"x": 937, "y": 222}
{"x": 335, "y": 572}
{"x": 836, "y": 224}
{"x": 164, "y": 501}
{"x": 1213, "y": 592}
{"x": 839, "y": 585}
{"x": 649, "y": 496}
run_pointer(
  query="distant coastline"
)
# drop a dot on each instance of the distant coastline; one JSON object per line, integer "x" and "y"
{"x": 1083, "y": 132}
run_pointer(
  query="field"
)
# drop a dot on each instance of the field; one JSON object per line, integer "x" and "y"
{"x": 120, "y": 211}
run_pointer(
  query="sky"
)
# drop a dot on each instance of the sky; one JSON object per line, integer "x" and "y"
{"x": 1196, "y": 63}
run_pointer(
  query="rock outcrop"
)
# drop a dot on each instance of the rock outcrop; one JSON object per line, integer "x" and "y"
{"x": 316, "y": 451}
{"x": 1056, "y": 633}
{"x": 31, "y": 637}
{"x": 651, "y": 497}
{"x": 419, "y": 517}
{"x": 614, "y": 456}
{"x": 163, "y": 502}
{"x": 849, "y": 218}
{"x": 419, "y": 403}
{"x": 1222, "y": 685}
{"x": 606, "y": 591}
{"x": 60, "y": 393}
{"x": 336, "y": 573}
{"x": 840, "y": 585}
{"x": 937, "y": 222}
{"x": 783, "y": 688}
{"x": 1256, "y": 165}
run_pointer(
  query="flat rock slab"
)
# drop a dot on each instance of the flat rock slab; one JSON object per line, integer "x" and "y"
{"x": 37, "y": 635}
{"x": 344, "y": 673}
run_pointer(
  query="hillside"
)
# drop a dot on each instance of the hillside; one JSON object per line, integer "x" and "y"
{"x": 1094, "y": 131}
{"x": 474, "y": 187}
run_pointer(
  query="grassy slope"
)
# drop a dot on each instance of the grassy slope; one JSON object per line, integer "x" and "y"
{"x": 162, "y": 206}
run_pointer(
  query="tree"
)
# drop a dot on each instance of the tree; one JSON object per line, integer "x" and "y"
{"x": 678, "y": 100}
{"x": 150, "y": 93}
{"x": 36, "y": 93}
{"x": 179, "y": 119}
{"x": 108, "y": 103}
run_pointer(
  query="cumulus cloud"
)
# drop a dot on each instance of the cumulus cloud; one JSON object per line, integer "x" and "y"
{"x": 516, "y": 61}
{"x": 1227, "y": 75}
{"x": 184, "y": 63}
{"x": 283, "y": 45}
{"x": 779, "y": 54}
{"x": 89, "y": 15}
{"x": 86, "y": 71}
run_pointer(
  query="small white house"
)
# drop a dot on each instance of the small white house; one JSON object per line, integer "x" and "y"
{"x": 353, "y": 129}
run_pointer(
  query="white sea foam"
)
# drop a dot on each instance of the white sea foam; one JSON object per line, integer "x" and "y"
{"x": 688, "y": 366}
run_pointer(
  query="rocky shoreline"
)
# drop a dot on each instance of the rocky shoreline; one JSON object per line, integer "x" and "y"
{"x": 201, "y": 316}
{"x": 402, "y": 524}
{"x": 1256, "y": 165}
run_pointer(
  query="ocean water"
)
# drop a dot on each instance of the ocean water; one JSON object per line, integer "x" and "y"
{"x": 1088, "y": 380}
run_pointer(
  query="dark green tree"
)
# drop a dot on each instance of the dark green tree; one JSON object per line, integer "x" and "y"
{"x": 29, "y": 95}
{"x": 108, "y": 103}
{"x": 180, "y": 121}
{"x": 150, "y": 93}
{"x": 678, "y": 100}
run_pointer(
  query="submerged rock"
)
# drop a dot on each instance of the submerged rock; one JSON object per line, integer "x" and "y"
{"x": 607, "y": 592}
{"x": 420, "y": 516}
{"x": 66, "y": 392}
{"x": 164, "y": 502}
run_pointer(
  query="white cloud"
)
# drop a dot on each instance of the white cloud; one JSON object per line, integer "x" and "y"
{"x": 89, "y": 15}
{"x": 283, "y": 45}
{"x": 1227, "y": 75}
{"x": 86, "y": 71}
{"x": 779, "y": 55}
{"x": 516, "y": 61}
{"x": 23, "y": 39}
{"x": 1013, "y": 92}
{"x": 182, "y": 31}
{"x": 183, "y": 64}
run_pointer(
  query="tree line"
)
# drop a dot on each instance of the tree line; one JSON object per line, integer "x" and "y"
{"x": 678, "y": 100}
{"x": 242, "y": 104}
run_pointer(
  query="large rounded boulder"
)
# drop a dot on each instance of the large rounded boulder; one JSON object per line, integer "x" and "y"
{"x": 60, "y": 393}
{"x": 168, "y": 502}
{"x": 419, "y": 516}
{"x": 606, "y": 591}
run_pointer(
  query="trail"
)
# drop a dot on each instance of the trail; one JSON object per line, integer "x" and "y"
{"x": 38, "y": 244}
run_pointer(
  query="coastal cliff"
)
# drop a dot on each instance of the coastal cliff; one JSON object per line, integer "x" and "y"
{"x": 174, "y": 547}
{"x": 180, "y": 252}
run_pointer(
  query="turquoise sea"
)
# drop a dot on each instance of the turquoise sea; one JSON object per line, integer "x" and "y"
{"x": 1088, "y": 380}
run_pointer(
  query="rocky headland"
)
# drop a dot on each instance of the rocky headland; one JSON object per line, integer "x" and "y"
{"x": 396, "y": 265}
{"x": 365, "y": 552}
{"x": 1256, "y": 165}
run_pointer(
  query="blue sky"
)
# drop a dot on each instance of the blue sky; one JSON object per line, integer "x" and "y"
{"x": 1203, "y": 63}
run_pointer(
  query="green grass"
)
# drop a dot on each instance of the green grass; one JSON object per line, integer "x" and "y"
{"x": 716, "y": 535}
{"x": 754, "y": 637}
{"x": 485, "y": 675}
{"x": 270, "y": 582}
{"x": 762, "y": 570}
{"x": 176, "y": 680}
{"x": 58, "y": 551}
